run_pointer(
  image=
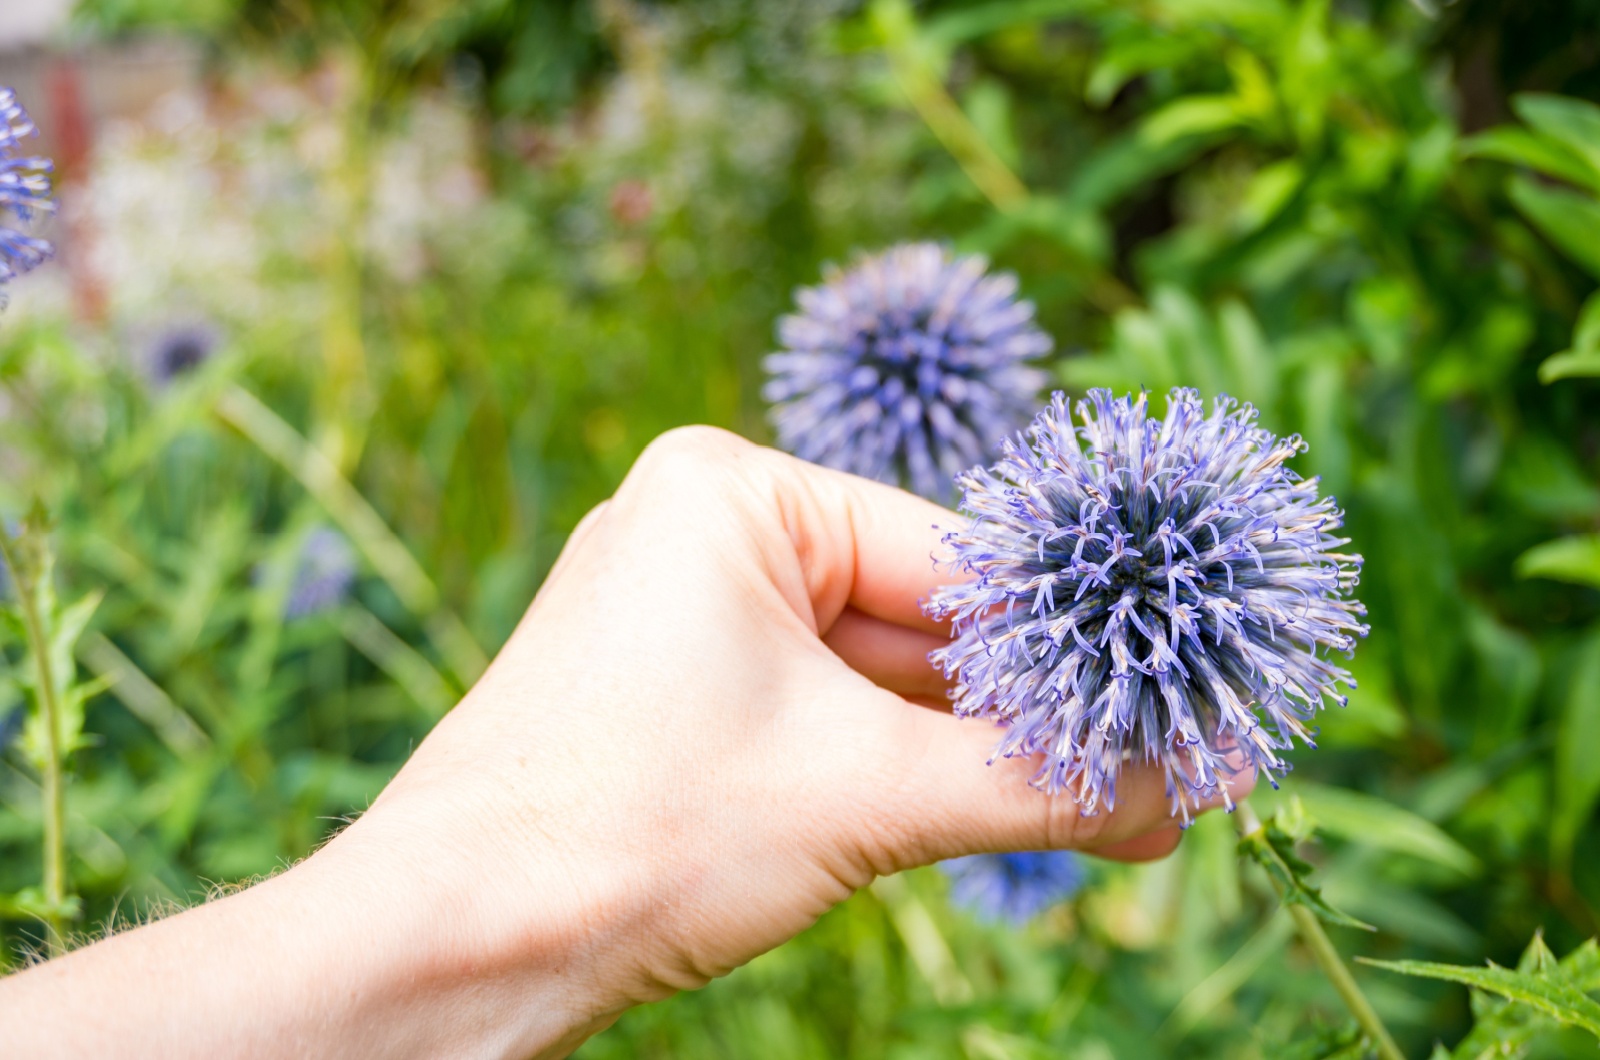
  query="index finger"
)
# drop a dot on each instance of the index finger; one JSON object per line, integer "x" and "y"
{"x": 865, "y": 544}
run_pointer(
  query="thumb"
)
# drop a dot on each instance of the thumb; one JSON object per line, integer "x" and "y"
{"x": 952, "y": 801}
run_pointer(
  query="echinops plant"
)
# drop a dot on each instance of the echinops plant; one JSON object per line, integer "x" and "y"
{"x": 1142, "y": 590}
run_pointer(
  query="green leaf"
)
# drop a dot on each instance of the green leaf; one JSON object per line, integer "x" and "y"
{"x": 1583, "y": 357}
{"x": 31, "y": 903}
{"x": 1537, "y": 959}
{"x": 1124, "y": 60}
{"x": 1542, "y": 991}
{"x": 1582, "y": 965}
{"x": 1358, "y": 817}
{"x": 1124, "y": 164}
{"x": 1570, "y": 364}
{"x": 1500, "y": 1029}
{"x": 1192, "y": 116}
{"x": 1567, "y": 219}
{"x": 1519, "y": 147}
{"x": 1577, "y": 780}
{"x": 970, "y": 23}
{"x": 1572, "y": 123}
{"x": 1272, "y": 846}
{"x": 1574, "y": 559}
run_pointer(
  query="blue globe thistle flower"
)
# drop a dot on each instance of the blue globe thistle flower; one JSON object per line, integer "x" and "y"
{"x": 179, "y": 348}
{"x": 1152, "y": 591}
{"x": 24, "y": 191}
{"x": 907, "y": 367}
{"x": 323, "y": 575}
{"x": 1014, "y": 887}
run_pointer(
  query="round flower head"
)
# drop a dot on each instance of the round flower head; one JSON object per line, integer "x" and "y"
{"x": 1150, "y": 591}
{"x": 907, "y": 367}
{"x": 24, "y": 191}
{"x": 1013, "y": 887}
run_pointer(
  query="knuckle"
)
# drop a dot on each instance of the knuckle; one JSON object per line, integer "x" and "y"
{"x": 1066, "y": 826}
{"x": 697, "y": 471}
{"x": 694, "y": 447}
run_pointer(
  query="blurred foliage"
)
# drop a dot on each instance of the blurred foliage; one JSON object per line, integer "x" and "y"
{"x": 470, "y": 258}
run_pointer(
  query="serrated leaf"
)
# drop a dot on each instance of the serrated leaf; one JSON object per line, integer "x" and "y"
{"x": 1545, "y": 993}
{"x": 1582, "y": 966}
{"x": 1502, "y": 1029}
{"x": 1573, "y": 559}
{"x": 1274, "y": 850}
{"x": 1569, "y": 220}
{"x": 1537, "y": 958}
{"x": 1513, "y": 1007}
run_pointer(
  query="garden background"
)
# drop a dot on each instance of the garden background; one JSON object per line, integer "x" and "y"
{"x": 361, "y": 305}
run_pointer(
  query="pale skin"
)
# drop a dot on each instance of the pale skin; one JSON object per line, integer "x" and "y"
{"x": 715, "y": 722}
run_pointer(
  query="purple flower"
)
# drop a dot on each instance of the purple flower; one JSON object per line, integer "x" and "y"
{"x": 907, "y": 367}
{"x": 1013, "y": 887}
{"x": 323, "y": 576}
{"x": 24, "y": 191}
{"x": 180, "y": 348}
{"x": 1151, "y": 591}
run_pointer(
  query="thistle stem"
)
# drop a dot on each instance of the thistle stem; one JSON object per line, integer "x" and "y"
{"x": 1327, "y": 956}
{"x": 53, "y": 787}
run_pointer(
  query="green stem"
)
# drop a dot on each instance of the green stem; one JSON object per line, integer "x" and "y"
{"x": 360, "y": 521}
{"x": 1327, "y": 957}
{"x": 53, "y": 787}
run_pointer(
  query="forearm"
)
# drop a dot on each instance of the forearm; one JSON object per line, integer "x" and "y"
{"x": 324, "y": 960}
{"x": 667, "y": 771}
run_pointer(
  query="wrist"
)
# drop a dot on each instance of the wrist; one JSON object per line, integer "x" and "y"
{"x": 442, "y": 963}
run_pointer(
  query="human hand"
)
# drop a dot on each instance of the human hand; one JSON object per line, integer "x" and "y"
{"x": 716, "y": 721}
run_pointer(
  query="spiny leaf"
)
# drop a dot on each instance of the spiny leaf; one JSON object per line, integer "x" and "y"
{"x": 1582, "y": 966}
{"x": 1273, "y": 848}
{"x": 1546, "y": 992}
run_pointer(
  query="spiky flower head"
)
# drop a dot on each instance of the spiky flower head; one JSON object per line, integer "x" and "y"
{"x": 906, "y": 367}
{"x": 24, "y": 191}
{"x": 1013, "y": 887}
{"x": 1156, "y": 591}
